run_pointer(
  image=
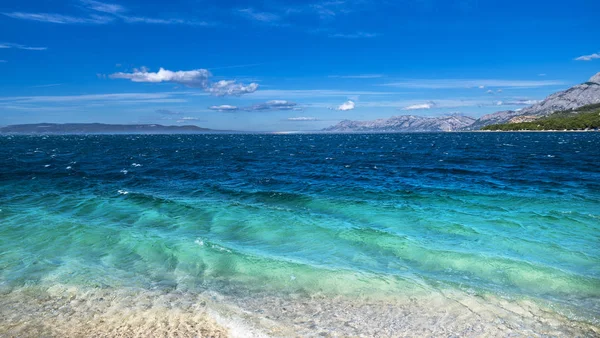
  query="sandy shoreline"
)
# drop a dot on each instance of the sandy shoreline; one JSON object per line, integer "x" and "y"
{"x": 67, "y": 311}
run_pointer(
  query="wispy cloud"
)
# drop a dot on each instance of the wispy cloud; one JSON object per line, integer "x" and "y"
{"x": 102, "y": 13}
{"x": 255, "y": 15}
{"x": 3, "y": 61}
{"x": 59, "y": 18}
{"x": 158, "y": 21}
{"x": 419, "y": 106}
{"x": 588, "y": 57}
{"x": 197, "y": 78}
{"x": 315, "y": 93}
{"x": 47, "y": 85}
{"x": 470, "y": 83}
{"x": 360, "y": 76}
{"x": 103, "y": 7}
{"x": 224, "y": 108}
{"x": 302, "y": 119}
{"x": 187, "y": 119}
{"x": 274, "y": 105}
{"x": 7, "y": 45}
{"x": 116, "y": 97}
{"x": 446, "y": 103}
{"x": 357, "y": 35}
{"x": 168, "y": 112}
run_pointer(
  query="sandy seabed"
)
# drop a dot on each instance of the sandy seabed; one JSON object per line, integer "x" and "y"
{"x": 68, "y": 311}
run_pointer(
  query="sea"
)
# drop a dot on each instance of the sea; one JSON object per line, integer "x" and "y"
{"x": 258, "y": 235}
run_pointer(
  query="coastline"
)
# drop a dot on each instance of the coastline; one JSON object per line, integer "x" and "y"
{"x": 71, "y": 311}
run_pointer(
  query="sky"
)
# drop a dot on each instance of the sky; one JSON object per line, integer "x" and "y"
{"x": 286, "y": 65}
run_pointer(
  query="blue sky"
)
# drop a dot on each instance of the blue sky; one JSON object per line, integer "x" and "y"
{"x": 286, "y": 65}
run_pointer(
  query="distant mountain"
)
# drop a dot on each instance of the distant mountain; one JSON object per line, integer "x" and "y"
{"x": 583, "y": 118}
{"x": 100, "y": 128}
{"x": 575, "y": 97}
{"x": 405, "y": 123}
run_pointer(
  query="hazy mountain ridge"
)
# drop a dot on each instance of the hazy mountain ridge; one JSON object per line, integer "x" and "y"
{"x": 100, "y": 128}
{"x": 405, "y": 123}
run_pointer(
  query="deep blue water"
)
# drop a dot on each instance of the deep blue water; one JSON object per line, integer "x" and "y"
{"x": 514, "y": 214}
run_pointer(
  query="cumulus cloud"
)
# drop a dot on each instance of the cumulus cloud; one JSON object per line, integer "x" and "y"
{"x": 348, "y": 105}
{"x": 302, "y": 119}
{"x": 224, "y": 108}
{"x": 588, "y": 57}
{"x": 7, "y": 45}
{"x": 198, "y": 78}
{"x": 231, "y": 87}
{"x": 419, "y": 106}
{"x": 491, "y": 91}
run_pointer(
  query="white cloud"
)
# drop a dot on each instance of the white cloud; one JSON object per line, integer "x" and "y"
{"x": 191, "y": 78}
{"x": 117, "y": 97}
{"x": 167, "y": 112}
{"x": 224, "y": 108}
{"x": 103, "y": 7}
{"x": 187, "y": 119}
{"x": 520, "y": 102}
{"x": 348, "y": 105}
{"x": 140, "y": 19}
{"x": 231, "y": 87}
{"x": 445, "y": 103}
{"x": 198, "y": 78}
{"x": 274, "y": 105}
{"x": 259, "y": 16}
{"x": 106, "y": 13}
{"x": 491, "y": 91}
{"x": 588, "y": 57}
{"x": 427, "y": 105}
{"x": 313, "y": 93}
{"x": 302, "y": 119}
{"x": 7, "y": 45}
{"x": 357, "y": 35}
{"x": 470, "y": 83}
{"x": 59, "y": 18}
{"x": 361, "y": 76}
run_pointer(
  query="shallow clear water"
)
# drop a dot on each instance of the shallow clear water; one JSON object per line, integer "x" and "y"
{"x": 508, "y": 215}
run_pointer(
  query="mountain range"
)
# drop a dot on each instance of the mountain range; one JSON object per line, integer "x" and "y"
{"x": 575, "y": 97}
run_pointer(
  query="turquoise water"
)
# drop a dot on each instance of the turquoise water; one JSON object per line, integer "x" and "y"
{"x": 515, "y": 216}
